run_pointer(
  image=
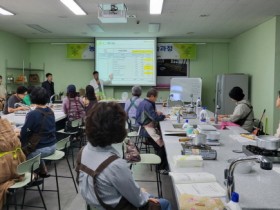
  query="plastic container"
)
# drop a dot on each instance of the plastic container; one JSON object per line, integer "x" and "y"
{"x": 233, "y": 204}
{"x": 198, "y": 102}
{"x": 188, "y": 128}
{"x": 203, "y": 115}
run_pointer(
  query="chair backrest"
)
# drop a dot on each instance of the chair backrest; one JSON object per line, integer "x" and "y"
{"x": 77, "y": 122}
{"x": 63, "y": 144}
{"x": 29, "y": 165}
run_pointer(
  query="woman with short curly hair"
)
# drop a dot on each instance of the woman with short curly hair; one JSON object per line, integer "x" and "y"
{"x": 105, "y": 125}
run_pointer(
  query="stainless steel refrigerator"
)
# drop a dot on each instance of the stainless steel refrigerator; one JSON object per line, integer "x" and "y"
{"x": 224, "y": 83}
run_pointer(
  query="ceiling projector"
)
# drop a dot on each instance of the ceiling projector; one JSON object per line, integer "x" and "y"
{"x": 112, "y": 13}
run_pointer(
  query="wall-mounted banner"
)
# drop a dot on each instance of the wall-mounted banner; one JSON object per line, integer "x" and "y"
{"x": 176, "y": 51}
{"x": 80, "y": 51}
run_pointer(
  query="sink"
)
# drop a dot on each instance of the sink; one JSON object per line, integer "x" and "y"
{"x": 177, "y": 125}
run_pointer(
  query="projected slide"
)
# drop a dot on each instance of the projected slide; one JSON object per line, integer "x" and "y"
{"x": 126, "y": 61}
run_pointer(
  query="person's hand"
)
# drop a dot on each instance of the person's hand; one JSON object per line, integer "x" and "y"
{"x": 278, "y": 102}
{"x": 22, "y": 108}
{"x": 143, "y": 189}
{"x": 167, "y": 116}
{"x": 154, "y": 200}
{"x": 159, "y": 112}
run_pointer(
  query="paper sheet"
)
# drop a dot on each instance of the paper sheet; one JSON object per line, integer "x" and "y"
{"x": 186, "y": 178}
{"x": 211, "y": 189}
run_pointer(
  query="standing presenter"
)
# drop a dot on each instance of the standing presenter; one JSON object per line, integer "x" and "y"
{"x": 98, "y": 85}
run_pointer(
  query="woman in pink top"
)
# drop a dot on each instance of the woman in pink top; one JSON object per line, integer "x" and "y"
{"x": 72, "y": 104}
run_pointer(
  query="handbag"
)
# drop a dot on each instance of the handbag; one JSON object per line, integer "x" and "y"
{"x": 34, "y": 138}
{"x": 131, "y": 154}
{"x": 69, "y": 128}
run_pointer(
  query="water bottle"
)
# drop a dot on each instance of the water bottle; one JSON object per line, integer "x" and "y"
{"x": 198, "y": 107}
{"x": 233, "y": 204}
{"x": 203, "y": 115}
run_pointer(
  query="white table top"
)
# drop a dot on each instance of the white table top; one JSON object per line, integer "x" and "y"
{"x": 258, "y": 190}
{"x": 19, "y": 120}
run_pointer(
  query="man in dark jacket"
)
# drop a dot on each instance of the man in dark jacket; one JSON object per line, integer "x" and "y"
{"x": 147, "y": 117}
{"x": 49, "y": 85}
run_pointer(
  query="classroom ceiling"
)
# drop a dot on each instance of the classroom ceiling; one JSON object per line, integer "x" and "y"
{"x": 180, "y": 18}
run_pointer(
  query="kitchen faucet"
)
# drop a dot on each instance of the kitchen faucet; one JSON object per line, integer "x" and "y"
{"x": 52, "y": 97}
{"x": 179, "y": 114}
{"x": 216, "y": 116}
{"x": 265, "y": 164}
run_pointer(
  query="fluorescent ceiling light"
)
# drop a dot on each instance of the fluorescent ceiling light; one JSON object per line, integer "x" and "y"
{"x": 156, "y": 7}
{"x": 74, "y": 7}
{"x": 95, "y": 28}
{"x": 5, "y": 12}
{"x": 39, "y": 28}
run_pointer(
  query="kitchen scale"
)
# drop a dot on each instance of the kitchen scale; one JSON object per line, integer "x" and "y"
{"x": 205, "y": 151}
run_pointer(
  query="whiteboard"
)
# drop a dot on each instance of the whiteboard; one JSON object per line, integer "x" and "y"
{"x": 182, "y": 88}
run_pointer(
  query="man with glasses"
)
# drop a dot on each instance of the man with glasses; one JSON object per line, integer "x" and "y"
{"x": 16, "y": 98}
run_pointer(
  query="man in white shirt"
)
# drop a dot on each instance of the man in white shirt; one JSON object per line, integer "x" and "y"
{"x": 98, "y": 84}
{"x": 3, "y": 94}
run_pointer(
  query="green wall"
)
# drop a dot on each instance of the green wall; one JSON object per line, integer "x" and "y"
{"x": 13, "y": 51}
{"x": 253, "y": 53}
{"x": 212, "y": 59}
{"x": 65, "y": 71}
{"x": 276, "y": 112}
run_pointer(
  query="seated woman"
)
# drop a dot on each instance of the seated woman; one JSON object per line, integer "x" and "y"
{"x": 115, "y": 184}
{"x": 14, "y": 99}
{"x": 72, "y": 104}
{"x": 131, "y": 106}
{"x": 90, "y": 99}
{"x": 243, "y": 113}
{"x": 38, "y": 132}
{"x": 26, "y": 100}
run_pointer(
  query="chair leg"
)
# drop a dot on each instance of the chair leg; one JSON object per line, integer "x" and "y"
{"x": 42, "y": 198}
{"x": 159, "y": 187}
{"x": 7, "y": 201}
{"x": 15, "y": 199}
{"x": 71, "y": 174}
{"x": 57, "y": 186}
{"x": 23, "y": 198}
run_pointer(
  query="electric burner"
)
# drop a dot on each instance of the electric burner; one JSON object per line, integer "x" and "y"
{"x": 273, "y": 155}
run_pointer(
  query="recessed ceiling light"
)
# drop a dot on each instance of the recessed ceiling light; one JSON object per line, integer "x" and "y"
{"x": 156, "y": 7}
{"x": 39, "y": 28}
{"x": 74, "y": 7}
{"x": 204, "y": 15}
{"x": 5, "y": 12}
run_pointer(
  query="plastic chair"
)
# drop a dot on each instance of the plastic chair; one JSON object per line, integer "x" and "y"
{"x": 148, "y": 159}
{"x": 78, "y": 134}
{"x": 64, "y": 144}
{"x": 58, "y": 155}
{"x": 27, "y": 169}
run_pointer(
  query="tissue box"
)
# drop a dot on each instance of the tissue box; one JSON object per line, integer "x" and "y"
{"x": 183, "y": 161}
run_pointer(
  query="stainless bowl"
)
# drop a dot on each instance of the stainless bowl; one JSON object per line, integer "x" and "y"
{"x": 199, "y": 139}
